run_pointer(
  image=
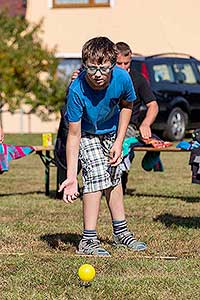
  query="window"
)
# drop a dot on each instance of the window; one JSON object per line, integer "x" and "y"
{"x": 67, "y": 66}
{"x": 163, "y": 73}
{"x": 198, "y": 67}
{"x": 24, "y": 3}
{"x": 80, "y": 3}
{"x": 184, "y": 73}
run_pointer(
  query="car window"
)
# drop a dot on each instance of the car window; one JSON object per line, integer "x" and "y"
{"x": 184, "y": 73}
{"x": 67, "y": 65}
{"x": 198, "y": 67}
{"x": 163, "y": 72}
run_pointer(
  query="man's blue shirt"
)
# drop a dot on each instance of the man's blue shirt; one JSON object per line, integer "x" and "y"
{"x": 99, "y": 110}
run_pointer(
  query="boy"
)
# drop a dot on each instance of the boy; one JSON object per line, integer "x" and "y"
{"x": 140, "y": 121}
{"x": 99, "y": 107}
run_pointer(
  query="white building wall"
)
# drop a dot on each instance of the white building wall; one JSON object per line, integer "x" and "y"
{"x": 149, "y": 26}
{"x": 27, "y": 123}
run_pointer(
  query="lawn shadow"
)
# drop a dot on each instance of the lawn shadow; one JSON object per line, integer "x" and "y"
{"x": 190, "y": 199}
{"x": 169, "y": 220}
{"x": 54, "y": 240}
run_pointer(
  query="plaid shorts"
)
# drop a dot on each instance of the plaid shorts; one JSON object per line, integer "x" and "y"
{"x": 94, "y": 152}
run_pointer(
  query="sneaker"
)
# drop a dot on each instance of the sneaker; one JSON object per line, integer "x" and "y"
{"x": 122, "y": 239}
{"x": 91, "y": 247}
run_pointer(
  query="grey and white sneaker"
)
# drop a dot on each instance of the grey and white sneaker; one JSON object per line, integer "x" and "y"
{"x": 91, "y": 247}
{"x": 126, "y": 239}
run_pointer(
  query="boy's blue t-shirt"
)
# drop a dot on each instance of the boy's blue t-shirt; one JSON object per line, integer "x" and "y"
{"x": 99, "y": 110}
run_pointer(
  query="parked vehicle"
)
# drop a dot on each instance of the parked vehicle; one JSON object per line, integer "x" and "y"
{"x": 175, "y": 81}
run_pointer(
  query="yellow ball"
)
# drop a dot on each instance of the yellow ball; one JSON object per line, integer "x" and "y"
{"x": 86, "y": 272}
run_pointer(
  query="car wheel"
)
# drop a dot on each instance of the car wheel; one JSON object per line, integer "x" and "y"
{"x": 176, "y": 124}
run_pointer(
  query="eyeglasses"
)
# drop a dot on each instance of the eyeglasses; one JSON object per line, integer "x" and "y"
{"x": 103, "y": 70}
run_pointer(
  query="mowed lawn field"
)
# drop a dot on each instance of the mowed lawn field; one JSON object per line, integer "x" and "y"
{"x": 39, "y": 235}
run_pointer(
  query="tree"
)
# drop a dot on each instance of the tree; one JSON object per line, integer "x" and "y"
{"x": 28, "y": 70}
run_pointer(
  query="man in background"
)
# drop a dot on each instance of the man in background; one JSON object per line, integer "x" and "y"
{"x": 139, "y": 120}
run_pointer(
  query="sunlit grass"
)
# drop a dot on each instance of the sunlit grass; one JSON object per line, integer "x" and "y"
{"x": 39, "y": 235}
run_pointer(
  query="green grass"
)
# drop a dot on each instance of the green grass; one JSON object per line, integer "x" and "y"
{"x": 39, "y": 235}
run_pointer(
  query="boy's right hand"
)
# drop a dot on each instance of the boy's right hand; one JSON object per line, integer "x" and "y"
{"x": 115, "y": 154}
{"x": 70, "y": 190}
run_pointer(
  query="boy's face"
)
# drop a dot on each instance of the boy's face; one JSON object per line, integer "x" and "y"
{"x": 124, "y": 61}
{"x": 98, "y": 76}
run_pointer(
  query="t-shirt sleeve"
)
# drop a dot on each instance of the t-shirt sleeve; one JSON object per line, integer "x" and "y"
{"x": 74, "y": 107}
{"x": 144, "y": 91}
{"x": 129, "y": 92}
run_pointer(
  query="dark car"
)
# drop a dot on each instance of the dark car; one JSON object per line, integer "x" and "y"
{"x": 175, "y": 81}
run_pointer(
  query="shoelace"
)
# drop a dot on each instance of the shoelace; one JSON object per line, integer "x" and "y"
{"x": 92, "y": 244}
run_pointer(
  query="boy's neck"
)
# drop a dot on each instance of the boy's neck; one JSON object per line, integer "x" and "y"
{"x": 94, "y": 87}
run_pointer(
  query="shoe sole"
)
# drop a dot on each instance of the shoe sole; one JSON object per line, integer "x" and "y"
{"x": 129, "y": 248}
{"x": 91, "y": 255}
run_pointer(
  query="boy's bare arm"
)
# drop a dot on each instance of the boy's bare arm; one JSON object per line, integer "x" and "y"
{"x": 70, "y": 185}
{"x": 72, "y": 148}
{"x": 124, "y": 119}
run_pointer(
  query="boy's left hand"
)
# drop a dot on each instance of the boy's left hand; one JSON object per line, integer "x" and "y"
{"x": 115, "y": 154}
{"x": 70, "y": 190}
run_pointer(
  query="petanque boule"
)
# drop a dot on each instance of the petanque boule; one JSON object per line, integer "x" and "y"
{"x": 86, "y": 273}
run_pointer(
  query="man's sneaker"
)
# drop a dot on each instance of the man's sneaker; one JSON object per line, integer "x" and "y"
{"x": 91, "y": 247}
{"x": 126, "y": 239}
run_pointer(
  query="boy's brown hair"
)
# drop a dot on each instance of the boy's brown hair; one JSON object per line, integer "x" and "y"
{"x": 123, "y": 48}
{"x": 99, "y": 50}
